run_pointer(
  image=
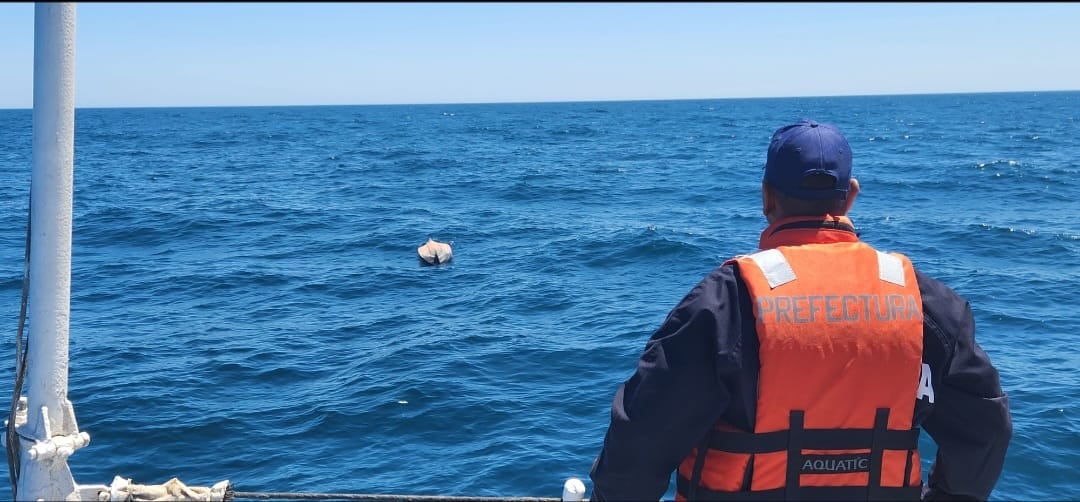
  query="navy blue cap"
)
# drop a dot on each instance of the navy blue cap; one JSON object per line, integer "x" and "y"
{"x": 806, "y": 148}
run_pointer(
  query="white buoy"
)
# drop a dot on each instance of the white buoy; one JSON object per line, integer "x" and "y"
{"x": 573, "y": 490}
{"x": 434, "y": 252}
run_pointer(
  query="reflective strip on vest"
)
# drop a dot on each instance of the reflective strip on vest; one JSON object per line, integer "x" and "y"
{"x": 890, "y": 268}
{"x": 775, "y": 267}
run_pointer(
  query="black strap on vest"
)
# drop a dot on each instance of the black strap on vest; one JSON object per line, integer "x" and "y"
{"x": 794, "y": 454}
{"x": 699, "y": 464}
{"x": 796, "y": 439}
{"x": 881, "y": 425}
{"x": 828, "y": 224}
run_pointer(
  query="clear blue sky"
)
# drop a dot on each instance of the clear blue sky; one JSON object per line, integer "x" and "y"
{"x": 210, "y": 54}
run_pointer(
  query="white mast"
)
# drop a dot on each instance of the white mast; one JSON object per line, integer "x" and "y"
{"x": 50, "y": 433}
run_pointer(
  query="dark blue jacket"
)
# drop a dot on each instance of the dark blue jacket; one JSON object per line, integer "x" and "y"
{"x": 701, "y": 365}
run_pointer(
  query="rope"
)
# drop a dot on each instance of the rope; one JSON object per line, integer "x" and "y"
{"x": 230, "y": 495}
{"x": 20, "y": 365}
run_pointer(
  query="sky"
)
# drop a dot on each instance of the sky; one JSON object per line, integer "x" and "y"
{"x": 260, "y": 54}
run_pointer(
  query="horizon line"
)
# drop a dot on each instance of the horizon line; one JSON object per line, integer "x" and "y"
{"x": 578, "y": 101}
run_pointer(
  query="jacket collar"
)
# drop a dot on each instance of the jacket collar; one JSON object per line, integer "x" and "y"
{"x": 798, "y": 230}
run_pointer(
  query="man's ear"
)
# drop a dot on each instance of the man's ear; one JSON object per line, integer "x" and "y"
{"x": 768, "y": 201}
{"x": 853, "y": 191}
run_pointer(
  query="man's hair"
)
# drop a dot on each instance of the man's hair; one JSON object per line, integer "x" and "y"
{"x": 808, "y": 207}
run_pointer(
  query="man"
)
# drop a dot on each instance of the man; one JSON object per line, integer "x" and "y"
{"x": 804, "y": 370}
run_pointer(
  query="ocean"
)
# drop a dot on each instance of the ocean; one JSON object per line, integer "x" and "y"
{"x": 247, "y": 303}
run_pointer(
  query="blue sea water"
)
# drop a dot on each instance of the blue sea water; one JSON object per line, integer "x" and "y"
{"x": 246, "y": 301}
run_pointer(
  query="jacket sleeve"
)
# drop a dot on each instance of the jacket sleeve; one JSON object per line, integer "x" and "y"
{"x": 969, "y": 417}
{"x": 674, "y": 397}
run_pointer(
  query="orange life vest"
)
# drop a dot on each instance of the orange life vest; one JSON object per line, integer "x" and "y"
{"x": 840, "y": 329}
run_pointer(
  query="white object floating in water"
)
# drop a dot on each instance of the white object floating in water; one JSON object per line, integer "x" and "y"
{"x": 434, "y": 252}
{"x": 573, "y": 490}
{"x": 403, "y": 402}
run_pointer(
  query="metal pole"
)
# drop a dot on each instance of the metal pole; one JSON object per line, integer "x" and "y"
{"x": 50, "y": 434}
